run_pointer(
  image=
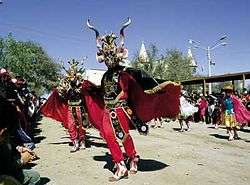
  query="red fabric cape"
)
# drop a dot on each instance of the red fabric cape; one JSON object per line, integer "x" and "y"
{"x": 241, "y": 113}
{"x": 146, "y": 106}
{"x": 165, "y": 103}
{"x": 56, "y": 108}
{"x": 94, "y": 104}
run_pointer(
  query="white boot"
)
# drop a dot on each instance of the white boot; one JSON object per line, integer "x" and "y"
{"x": 82, "y": 145}
{"x": 134, "y": 165}
{"x": 231, "y": 135}
{"x": 121, "y": 172}
{"x": 75, "y": 147}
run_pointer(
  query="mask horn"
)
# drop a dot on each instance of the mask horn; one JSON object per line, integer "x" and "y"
{"x": 97, "y": 35}
{"x": 125, "y": 25}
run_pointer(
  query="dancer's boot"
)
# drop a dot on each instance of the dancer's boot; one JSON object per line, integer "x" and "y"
{"x": 121, "y": 172}
{"x": 134, "y": 165}
{"x": 75, "y": 147}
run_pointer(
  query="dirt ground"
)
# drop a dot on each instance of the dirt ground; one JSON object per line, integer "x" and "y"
{"x": 168, "y": 157}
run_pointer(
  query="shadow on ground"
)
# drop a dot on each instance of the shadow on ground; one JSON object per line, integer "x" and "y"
{"x": 38, "y": 139}
{"x": 145, "y": 165}
{"x": 245, "y": 130}
{"x": 176, "y": 129}
{"x": 212, "y": 127}
{"x": 90, "y": 143}
{"x": 62, "y": 143}
{"x": 219, "y": 136}
{"x": 93, "y": 137}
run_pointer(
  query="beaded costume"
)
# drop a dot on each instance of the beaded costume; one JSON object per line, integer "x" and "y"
{"x": 125, "y": 101}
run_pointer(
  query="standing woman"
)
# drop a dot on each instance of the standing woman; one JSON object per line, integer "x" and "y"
{"x": 202, "y": 104}
{"x": 229, "y": 114}
{"x": 234, "y": 113}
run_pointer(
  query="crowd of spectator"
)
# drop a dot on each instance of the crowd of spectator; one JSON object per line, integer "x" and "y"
{"x": 19, "y": 111}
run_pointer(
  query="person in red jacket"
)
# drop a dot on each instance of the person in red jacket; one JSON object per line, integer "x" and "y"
{"x": 202, "y": 104}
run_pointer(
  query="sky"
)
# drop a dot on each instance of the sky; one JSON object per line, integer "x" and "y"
{"x": 60, "y": 27}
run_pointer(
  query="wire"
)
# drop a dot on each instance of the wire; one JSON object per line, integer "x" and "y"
{"x": 42, "y": 33}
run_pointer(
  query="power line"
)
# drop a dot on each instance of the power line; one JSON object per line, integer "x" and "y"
{"x": 42, "y": 33}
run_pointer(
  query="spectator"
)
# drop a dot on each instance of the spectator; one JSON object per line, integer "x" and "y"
{"x": 202, "y": 104}
{"x": 12, "y": 157}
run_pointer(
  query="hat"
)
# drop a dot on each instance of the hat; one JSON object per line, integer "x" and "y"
{"x": 228, "y": 88}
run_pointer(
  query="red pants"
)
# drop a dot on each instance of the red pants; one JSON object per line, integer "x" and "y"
{"x": 76, "y": 130}
{"x": 111, "y": 139}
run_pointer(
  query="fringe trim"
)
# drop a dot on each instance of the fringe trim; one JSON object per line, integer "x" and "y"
{"x": 160, "y": 87}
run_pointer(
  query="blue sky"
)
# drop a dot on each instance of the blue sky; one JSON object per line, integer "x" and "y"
{"x": 59, "y": 26}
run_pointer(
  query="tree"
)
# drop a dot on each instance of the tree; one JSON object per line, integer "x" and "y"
{"x": 29, "y": 60}
{"x": 178, "y": 66}
{"x": 172, "y": 65}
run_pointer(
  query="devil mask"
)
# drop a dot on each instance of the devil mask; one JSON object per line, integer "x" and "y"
{"x": 108, "y": 51}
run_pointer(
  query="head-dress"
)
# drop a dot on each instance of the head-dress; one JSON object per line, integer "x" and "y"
{"x": 108, "y": 51}
{"x": 73, "y": 78}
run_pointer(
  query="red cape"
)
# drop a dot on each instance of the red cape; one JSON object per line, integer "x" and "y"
{"x": 163, "y": 103}
{"x": 242, "y": 115}
{"x": 56, "y": 108}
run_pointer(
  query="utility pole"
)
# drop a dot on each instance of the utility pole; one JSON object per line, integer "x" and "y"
{"x": 209, "y": 69}
{"x": 208, "y": 49}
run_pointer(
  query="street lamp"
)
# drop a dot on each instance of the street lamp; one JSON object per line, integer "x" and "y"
{"x": 208, "y": 49}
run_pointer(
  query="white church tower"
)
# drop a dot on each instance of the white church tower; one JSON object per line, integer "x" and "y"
{"x": 192, "y": 60}
{"x": 143, "y": 56}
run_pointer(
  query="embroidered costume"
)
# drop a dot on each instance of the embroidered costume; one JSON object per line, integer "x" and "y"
{"x": 68, "y": 104}
{"x": 126, "y": 103}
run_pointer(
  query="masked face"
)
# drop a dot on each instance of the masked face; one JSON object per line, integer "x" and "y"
{"x": 110, "y": 53}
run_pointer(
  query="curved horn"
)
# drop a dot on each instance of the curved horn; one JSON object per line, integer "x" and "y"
{"x": 97, "y": 35}
{"x": 93, "y": 28}
{"x": 125, "y": 25}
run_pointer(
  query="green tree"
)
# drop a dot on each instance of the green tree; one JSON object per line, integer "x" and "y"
{"x": 172, "y": 65}
{"x": 178, "y": 66}
{"x": 29, "y": 60}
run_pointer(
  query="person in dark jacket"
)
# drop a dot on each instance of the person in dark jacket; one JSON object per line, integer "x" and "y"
{"x": 12, "y": 157}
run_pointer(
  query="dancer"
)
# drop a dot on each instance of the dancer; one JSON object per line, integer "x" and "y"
{"x": 186, "y": 112}
{"x": 126, "y": 102}
{"x": 67, "y": 104}
{"x": 234, "y": 113}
